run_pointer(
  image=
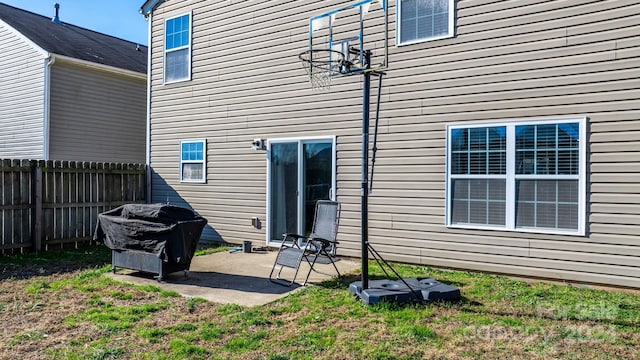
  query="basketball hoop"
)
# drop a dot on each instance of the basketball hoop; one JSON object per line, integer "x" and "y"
{"x": 323, "y": 64}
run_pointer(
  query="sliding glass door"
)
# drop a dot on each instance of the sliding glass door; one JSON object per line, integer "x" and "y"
{"x": 300, "y": 172}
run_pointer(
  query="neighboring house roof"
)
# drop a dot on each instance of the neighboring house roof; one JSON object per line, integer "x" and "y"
{"x": 75, "y": 42}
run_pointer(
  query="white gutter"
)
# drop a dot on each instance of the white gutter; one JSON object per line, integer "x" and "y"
{"x": 149, "y": 18}
{"x": 48, "y": 63}
{"x": 147, "y": 8}
{"x": 93, "y": 65}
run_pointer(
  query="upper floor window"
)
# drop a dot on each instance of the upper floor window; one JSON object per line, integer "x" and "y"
{"x": 525, "y": 176}
{"x": 177, "y": 48}
{"x": 423, "y": 20}
{"x": 193, "y": 161}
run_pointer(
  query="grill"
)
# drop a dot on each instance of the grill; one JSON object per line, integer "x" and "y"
{"x": 152, "y": 238}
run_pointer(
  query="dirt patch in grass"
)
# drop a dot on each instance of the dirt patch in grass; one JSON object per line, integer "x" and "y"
{"x": 22, "y": 266}
{"x": 32, "y": 321}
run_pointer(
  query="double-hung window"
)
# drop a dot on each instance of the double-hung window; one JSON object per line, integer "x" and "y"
{"x": 177, "y": 48}
{"x": 193, "y": 161}
{"x": 424, "y": 20}
{"x": 518, "y": 175}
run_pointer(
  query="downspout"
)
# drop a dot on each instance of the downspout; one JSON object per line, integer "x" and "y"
{"x": 48, "y": 63}
{"x": 149, "y": 18}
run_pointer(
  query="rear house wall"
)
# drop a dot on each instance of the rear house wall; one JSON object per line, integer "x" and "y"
{"x": 509, "y": 60}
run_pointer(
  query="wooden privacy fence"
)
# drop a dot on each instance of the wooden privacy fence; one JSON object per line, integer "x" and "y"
{"x": 45, "y": 204}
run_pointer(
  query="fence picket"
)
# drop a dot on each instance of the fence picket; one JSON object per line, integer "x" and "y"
{"x": 5, "y": 196}
{"x": 36, "y": 210}
{"x": 16, "y": 191}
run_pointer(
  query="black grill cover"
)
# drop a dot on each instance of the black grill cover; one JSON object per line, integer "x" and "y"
{"x": 170, "y": 232}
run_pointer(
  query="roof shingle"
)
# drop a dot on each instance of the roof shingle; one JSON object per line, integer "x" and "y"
{"x": 76, "y": 42}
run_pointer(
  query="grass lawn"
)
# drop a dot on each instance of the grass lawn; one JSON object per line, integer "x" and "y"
{"x": 59, "y": 305}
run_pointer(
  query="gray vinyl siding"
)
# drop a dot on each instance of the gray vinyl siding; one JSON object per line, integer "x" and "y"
{"x": 96, "y": 115}
{"x": 21, "y": 97}
{"x": 509, "y": 60}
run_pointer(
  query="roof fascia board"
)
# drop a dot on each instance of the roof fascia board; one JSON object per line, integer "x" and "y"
{"x": 89, "y": 64}
{"x": 149, "y": 6}
{"x": 45, "y": 54}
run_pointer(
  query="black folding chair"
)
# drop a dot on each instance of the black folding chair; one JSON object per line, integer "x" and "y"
{"x": 320, "y": 243}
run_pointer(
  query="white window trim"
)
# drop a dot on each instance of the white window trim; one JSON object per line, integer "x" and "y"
{"x": 165, "y": 51}
{"x": 511, "y": 176}
{"x": 449, "y": 34}
{"x": 203, "y": 161}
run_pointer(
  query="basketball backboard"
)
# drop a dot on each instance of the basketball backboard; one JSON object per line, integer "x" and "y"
{"x": 339, "y": 38}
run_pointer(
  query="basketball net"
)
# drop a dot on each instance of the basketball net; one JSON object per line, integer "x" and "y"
{"x": 319, "y": 77}
{"x": 321, "y": 65}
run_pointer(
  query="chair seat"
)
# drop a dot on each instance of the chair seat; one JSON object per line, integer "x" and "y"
{"x": 326, "y": 260}
{"x": 290, "y": 257}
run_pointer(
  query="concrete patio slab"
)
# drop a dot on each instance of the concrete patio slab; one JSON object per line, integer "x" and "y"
{"x": 235, "y": 277}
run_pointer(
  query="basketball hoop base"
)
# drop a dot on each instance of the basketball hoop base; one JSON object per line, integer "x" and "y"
{"x": 391, "y": 291}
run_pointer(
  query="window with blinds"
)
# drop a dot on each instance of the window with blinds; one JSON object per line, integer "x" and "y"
{"x": 525, "y": 176}
{"x": 478, "y": 166}
{"x": 423, "y": 20}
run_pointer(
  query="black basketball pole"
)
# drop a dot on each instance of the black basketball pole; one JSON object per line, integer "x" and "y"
{"x": 364, "y": 190}
{"x": 401, "y": 290}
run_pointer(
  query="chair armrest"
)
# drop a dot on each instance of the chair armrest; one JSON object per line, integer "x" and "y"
{"x": 323, "y": 240}
{"x": 291, "y": 240}
{"x": 296, "y": 236}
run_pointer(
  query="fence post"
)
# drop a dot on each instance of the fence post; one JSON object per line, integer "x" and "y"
{"x": 37, "y": 205}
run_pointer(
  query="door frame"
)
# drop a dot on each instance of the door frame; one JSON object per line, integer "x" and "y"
{"x": 299, "y": 140}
